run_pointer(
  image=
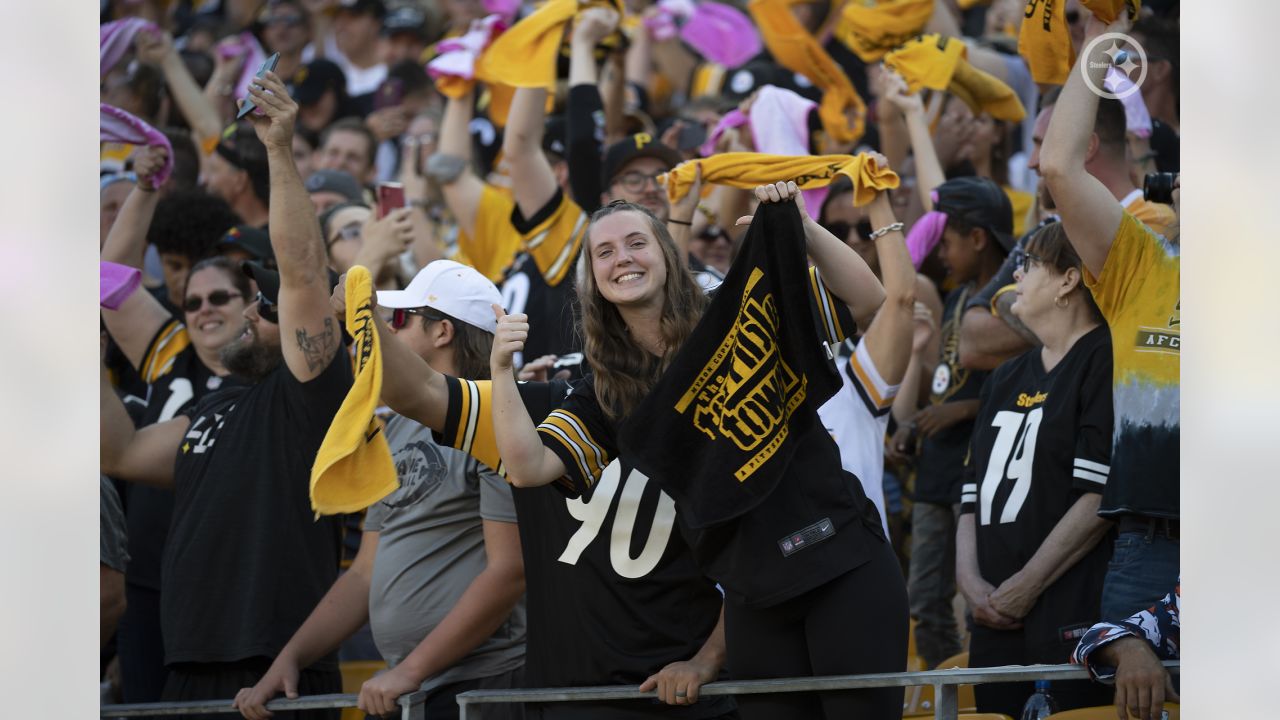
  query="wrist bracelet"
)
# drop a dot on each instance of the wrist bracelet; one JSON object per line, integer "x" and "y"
{"x": 892, "y": 227}
{"x": 679, "y": 222}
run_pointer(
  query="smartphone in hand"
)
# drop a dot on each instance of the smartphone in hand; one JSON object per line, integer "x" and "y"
{"x": 267, "y": 65}
{"x": 390, "y": 197}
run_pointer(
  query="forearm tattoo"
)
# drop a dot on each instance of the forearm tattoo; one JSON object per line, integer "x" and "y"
{"x": 318, "y": 349}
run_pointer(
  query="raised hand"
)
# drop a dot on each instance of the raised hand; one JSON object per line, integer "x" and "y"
{"x": 274, "y": 119}
{"x": 508, "y": 339}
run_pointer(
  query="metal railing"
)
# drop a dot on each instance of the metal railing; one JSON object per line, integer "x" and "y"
{"x": 944, "y": 682}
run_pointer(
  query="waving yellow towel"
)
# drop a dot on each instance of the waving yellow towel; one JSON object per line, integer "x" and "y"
{"x": 747, "y": 170}
{"x": 939, "y": 63}
{"x": 798, "y": 51}
{"x": 871, "y": 28}
{"x": 353, "y": 468}
{"x": 1045, "y": 39}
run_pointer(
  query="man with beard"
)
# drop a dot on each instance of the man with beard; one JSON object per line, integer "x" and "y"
{"x": 246, "y": 559}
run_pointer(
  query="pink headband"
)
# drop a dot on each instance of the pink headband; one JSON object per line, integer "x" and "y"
{"x": 924, "y": 236}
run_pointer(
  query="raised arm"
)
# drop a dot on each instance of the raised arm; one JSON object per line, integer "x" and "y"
{"x": 479, "y": 611}
{"x": 929, "y": 173}
{"x": 143, "y": 456}
{"x": 410, "y": 386}
{"x": 309, "y": 334}
{"x": 529, "y": 463}
{"x": 532, "y": 181}
{"x": 1090, "y": 213}
{"x": 582, "y": 149}
{"x": 889, "y": 337}
{"x": 157, "y": 49}
{"x": 451, "y": 165}
{"x": 140, "y": 316}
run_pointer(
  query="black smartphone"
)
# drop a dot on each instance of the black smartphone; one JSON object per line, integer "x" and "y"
{"x": 267, "y": 65}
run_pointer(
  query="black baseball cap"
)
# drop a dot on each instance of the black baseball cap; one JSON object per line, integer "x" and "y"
{"x": 269, "y": 280}
{"x": 376, "y": 8}
{"x": 405, "y": 19}
{"x": 310, "y": 81}
{"x": 554, "y": 137}
{"x": 979, "y": 202}
{"x": 637, "y": 146}
{"x": 252, "y": 240}
{"x": 335, "y": 181}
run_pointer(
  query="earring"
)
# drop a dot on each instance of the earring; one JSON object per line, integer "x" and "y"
{"x": 1062, "y": 301}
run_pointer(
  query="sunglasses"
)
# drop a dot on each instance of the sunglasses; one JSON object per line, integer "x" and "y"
{"x": 217, "y": 298}
{"x": 1023, "y": 259}
{"x": 400, "y": 316}
{"x": 267, "y": 309}
{"x": 635, "y": 181}
{"x": 841, "y": 229}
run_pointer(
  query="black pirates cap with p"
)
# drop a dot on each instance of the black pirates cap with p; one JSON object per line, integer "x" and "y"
{"x": 637, "y": 146}
{"x": 979, "y": 202}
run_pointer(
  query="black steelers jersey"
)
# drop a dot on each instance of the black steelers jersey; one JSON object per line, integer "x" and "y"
{"x": 540, "y": 281}
{"x": 247, "y": 559}
{"x": 175, "y": 379}
{"x": 941, "y": 461}
{"x": 1041, "y": 440}
{"x": 612, "y": 592}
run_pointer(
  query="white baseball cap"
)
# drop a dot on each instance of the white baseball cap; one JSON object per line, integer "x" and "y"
{"x": 452, "y": 288}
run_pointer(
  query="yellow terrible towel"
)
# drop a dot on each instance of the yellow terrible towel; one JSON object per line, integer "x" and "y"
{"x": 871, "y": 28}
{"x": 798, "y": 51}
{"x": 353, "y": 468}
{"x": 939, "y": 63}
{"x": 525, "y": 55}
{"x": 1045, "y": 39}
{"x": 747, "y": 170}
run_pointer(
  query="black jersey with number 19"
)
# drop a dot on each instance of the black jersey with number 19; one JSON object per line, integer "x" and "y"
{"x": 1041, "y": 440}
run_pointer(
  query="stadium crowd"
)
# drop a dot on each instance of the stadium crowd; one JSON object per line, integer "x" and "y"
{"x": 638, "y": 343}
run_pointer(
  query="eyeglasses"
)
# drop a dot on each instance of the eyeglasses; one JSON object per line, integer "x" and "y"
{"x": 400, "y": 316}
{"x": 217, "y": 298}
{"x": 636, "y": 181}
{"x": 714, "y": 233}
{"x": 1023, "y": 259}
{"x": 267, "y": 309}
{"x": 350, "y": 231}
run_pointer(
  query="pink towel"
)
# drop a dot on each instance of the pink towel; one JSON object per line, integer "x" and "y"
{"x": 506, "y": 9}
{"x": 732, "y": 119}
{"x": 722, "y": 34}
{"x": 780, "y": 126}
{"x": 116, "y": 38}
{"x": 116, "y": 125}
{"x": 1136, "y": 118}
{"x": 457, "y": 56}
{"x": 716, "y": 31}
{"x": 117, "y": 283}
{"x": 925, "y": 235}
{"x": 246, "y": 46}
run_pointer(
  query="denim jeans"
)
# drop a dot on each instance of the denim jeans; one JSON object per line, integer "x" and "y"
{"x": 1143, "y": 569}
{"x": 931, "y": 581}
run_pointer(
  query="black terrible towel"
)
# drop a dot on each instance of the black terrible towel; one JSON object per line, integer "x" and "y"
{"x": 721, "y": 427}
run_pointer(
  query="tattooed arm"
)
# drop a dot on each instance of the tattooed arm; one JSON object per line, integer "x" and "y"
{"x": 309, "y": 335}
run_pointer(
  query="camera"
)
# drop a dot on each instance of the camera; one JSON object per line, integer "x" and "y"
{"x": 1158, "y": 187}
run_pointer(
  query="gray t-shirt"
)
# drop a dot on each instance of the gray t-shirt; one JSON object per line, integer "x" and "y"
{"x": 430, "y": 548}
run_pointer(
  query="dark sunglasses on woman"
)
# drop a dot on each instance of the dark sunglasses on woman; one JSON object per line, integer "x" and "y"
{"x": 217, "y": 298}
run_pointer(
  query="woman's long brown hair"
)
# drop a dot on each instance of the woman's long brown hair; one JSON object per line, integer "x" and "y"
{"x": 623, "y": 370}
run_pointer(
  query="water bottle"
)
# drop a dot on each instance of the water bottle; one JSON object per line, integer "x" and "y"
{"x": 1041, "y": 704}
